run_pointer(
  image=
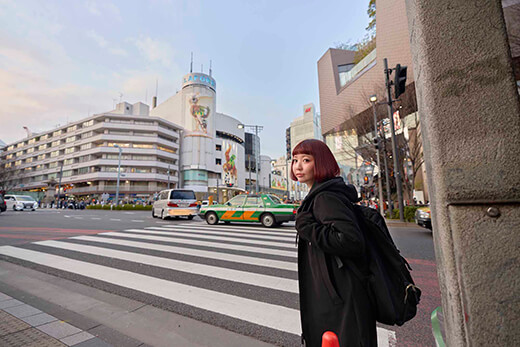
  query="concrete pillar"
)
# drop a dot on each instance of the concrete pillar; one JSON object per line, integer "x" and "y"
{"x": 470, "y": 114}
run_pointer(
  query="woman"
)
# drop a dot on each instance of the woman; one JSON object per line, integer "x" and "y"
{"x": 332, "y": 298}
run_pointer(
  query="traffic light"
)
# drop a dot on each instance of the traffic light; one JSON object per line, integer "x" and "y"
{"x": 376, "y": 143}
{"x": 288, "y": 142}
{"x": 365, "y": 180}
{"x": 399, "y": 80}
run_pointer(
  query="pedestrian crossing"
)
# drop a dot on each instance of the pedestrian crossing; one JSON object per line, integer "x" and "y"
{"x": 244, "y": 278}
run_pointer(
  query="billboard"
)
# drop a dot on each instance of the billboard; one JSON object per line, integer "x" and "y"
{"x": 229, "y": 163}
{"x": 278, "y": 182}
{"x": 199, "y": 113}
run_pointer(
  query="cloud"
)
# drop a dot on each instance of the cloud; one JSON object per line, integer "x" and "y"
{"x": 155, "y": 50}
{"x": 104, "y": 43}
{"x": 100, "y": 40}
{"x": 97, "y": 9}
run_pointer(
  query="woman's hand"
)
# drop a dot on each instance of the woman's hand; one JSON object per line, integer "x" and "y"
{"x": 304, "y": 225}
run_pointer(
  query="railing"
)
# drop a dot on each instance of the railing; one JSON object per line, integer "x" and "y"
{"x": 363, "y": 63}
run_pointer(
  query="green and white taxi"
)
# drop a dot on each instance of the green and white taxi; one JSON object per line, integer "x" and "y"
{"x": 264, "y": 208}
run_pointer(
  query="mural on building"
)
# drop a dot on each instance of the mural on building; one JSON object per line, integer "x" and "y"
{"x": 229, "y": 168}
{"x": 278, "y": 182}
{"x": 200, "y": 112}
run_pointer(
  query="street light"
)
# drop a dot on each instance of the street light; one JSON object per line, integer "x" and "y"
{"x": 373, "y": 100}
{"x": 257, "y": 128}
{"x": 118, "y": 173}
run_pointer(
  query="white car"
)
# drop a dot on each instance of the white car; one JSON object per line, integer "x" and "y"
{"x": 20, "y": 202}
{"x": 175, "y": 203}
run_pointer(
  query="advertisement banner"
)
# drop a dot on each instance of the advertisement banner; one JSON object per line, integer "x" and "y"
{"x": 200, "y": 111}
{"x": 229, "y": 163}
{"x": 278, "y": 182}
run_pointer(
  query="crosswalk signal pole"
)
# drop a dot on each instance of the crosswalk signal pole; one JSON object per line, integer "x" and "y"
{"x": 395, "y": 154}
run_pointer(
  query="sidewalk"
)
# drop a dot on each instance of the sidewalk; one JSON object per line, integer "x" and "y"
{"x": 25, "y": 325}
{"x": 398, "y": 223}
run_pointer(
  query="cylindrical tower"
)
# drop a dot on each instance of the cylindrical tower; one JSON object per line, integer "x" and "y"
{"x": 197, "y": 150}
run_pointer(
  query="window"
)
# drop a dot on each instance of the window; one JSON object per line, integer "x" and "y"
{"x": 28, "y": 169}
{"x": 19, "y": 145}
{"x": 18, "y": 162}
{"x": 8, "y": 165}
{"x": 237, "y": 200}
{"x": 9, "y": 156}
{"x": 55, "y": 143}
{"x": 254, "y": 201}
{"x": 88, "y": 123}
{"x": 44, "y": 137}
{"x": 84, "y": 158}
{"x": 143, "y": 122}
{"x": 343, "y": 73}
{"x": 70, "y": 150}
{"x": 119, "y": 132}
{"x": 218, "y": 161}
{"x": 31, "y": 141}
{"x": 140, "y": 170}
{"x": 42, "y": 147}
{"x": 53, "y": 165}
{"x": 29, "y": 160}
{"x": 68, "y": 161}
{"x": 52, "y": 176}
{"x": 166, "y": 149}
{"x": 218, "y": 147}
{"x": 41, "y": 156}
{"x": 56, "y": 133}
{"x": 19, "y": 154}
{"x": 55, "y": 154}
{"x": 112, "y": 144}
{"x": 142, "y": 145}
{"x": 30, "y": 150}
{"x": 72, "y": 128}
{"x": 183, "y": 194}
{"x": 39, "y": 167}
{"x": 67, "y": 173}
{"x": 70, "y": 139}
{"x": 82, "y": 170}
{"x": 85, "y": 146}
{"x": 10, "y": 148}
{"x": 87, "y": 134}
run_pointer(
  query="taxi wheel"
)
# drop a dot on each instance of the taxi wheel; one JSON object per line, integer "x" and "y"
{"x": 211, "y": 218}
{"x": 268, "y": 220}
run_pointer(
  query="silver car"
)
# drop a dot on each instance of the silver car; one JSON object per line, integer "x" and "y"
{"x": 175, "y": 203}
{"x": 20, "y": 202}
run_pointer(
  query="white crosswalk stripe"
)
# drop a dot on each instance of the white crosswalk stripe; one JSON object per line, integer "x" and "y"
{"x": 256, "y": 269}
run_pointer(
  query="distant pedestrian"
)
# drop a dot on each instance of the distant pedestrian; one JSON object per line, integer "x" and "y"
{"x": 332, "y": 298}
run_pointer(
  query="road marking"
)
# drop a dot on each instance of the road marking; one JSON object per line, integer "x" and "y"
{"x": 256, "y": 312}
{"x": 115, "y": 220}
{"x": 96, "y": 218}
{"x": 223, "y": 231}
{"x": 220, "y": 244}
{"x": 243, "y": 259}
{"x": 78, "y": 217}
{"x": 271, "y": 282}
{"x": 138, "y": 220}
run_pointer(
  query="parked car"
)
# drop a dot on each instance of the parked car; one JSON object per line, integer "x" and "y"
{"x": 3, "y": 205}
{"x": 175, "y": 203}
{"x": 423, "y": 217}
{"x": 264, "y": 208}
{"x": 21, "y": 202}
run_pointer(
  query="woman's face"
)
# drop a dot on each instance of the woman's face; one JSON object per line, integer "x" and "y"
{"x": 303, "y": 168}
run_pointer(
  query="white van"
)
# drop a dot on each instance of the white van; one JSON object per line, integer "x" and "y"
{"x": 20, "y": 202}
{"x": 174, "y": 203}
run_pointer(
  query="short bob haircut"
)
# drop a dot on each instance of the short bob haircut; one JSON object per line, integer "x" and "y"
{"x": 325, "y": 165}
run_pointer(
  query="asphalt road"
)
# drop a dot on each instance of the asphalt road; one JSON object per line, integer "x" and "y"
{"x": 135, "y": 243}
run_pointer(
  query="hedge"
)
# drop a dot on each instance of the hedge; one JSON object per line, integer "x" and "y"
{"x": 409, "y": 213}
{"x": 121, "y": 207}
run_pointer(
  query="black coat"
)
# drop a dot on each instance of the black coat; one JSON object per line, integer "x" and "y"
{"x": 332, "y": 298}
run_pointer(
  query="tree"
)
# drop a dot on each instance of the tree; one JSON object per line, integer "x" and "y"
{"x": 371, "y": 28}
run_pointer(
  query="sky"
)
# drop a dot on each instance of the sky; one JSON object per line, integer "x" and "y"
{"x": 61, "y": 61}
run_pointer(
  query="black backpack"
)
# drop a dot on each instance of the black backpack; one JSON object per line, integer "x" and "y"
{"x": 391, "y": 289}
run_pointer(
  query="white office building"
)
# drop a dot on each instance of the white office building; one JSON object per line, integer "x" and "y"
{"x": 82, "y": 157}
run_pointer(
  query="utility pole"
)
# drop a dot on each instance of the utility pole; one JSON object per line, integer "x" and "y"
{"x": 118, "y": 173}
{"x": 59, "y": 185}
{"x": 249, "y": 161}
{"x": 373, "y": 99}
{"x": 395, "y": 153}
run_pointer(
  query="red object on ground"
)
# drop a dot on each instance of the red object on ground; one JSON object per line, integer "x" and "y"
{"x": 329, "y": 339}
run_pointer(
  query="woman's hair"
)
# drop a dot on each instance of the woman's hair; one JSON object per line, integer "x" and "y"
{"x": 325, "y": 165}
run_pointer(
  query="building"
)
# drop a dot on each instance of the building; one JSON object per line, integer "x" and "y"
{"x": 307, "y": 126}
{"x": 82, "y": 157}
{"x": 345, "y": 89}
{"x": 213, "y": 159}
